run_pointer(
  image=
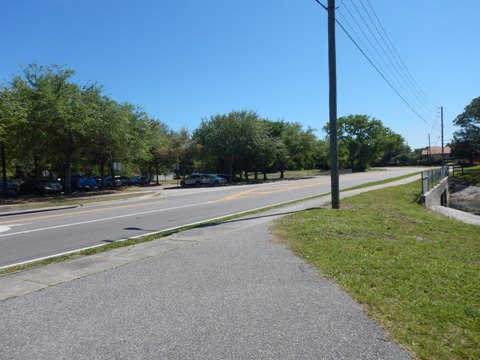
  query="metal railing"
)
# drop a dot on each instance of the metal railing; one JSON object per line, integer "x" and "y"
{"x": 431, "y": 178}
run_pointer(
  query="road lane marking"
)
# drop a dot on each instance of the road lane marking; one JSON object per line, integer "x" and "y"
{"x": 80, "y": 212}
{"x": 103, "y": 219}
{"x": 265, "y": 191}
{"x": 5, "y": 228}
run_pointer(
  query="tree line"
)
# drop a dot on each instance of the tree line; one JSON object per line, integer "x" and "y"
{"x": 466, "y": 141}
{"x": 50, "y": 125}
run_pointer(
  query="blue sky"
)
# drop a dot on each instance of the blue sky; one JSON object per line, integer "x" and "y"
{"x": 186, "y": 60}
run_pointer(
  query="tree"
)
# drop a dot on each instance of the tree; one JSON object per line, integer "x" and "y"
{"x": 11, "y": 115}
{"x": 364, "y": 139}
{"x": 391, "y": 148}
{"x": 55, "y": 108}
{"x": 228, "y": 138}
{"x": 466, "y": 141}
{"x": 294, "y": 145}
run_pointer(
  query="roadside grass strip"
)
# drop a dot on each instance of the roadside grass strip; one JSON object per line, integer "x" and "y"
{"x": 415, "y": 272}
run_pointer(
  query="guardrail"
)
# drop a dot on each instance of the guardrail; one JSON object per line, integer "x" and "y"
{"x": 431, "y": 178}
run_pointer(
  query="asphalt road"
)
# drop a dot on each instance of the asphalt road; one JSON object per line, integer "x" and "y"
{"x": 33, "y": 236}
{"x": 230, "y": 292}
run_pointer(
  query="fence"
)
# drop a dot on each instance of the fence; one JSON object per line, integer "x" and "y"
{"x": 431, "y": 178}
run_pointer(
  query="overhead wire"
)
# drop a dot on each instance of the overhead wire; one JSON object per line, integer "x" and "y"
{"x": 414, "y": 82}
{"x": 396, "y": 74}
{"x": 381, "y": 70}
{"x": 390, "y": 70}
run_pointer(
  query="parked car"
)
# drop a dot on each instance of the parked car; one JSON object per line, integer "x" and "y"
{"x": 194, "y": 180}
{"x": 12, "y": 189}
{"x": 203, "y": 179}
{"x": 77, "y": 183}
{"x": 214, "y": 180}
{"x": 139, "y": 181}
{"x": 41, "y": 187}
{"x": 227, "y": 177}
{"x": 121, "y": 180}
{"x": 109, "y": 182}
{"x": 90, "y": 183}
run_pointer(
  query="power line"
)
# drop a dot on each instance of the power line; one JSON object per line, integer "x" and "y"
{"x": 420, "y": 91}
{"x": 322, "y": 5}
{"x": 369, "y": 59}
{"x": 389, "y": 65}
{"x": 383, "y": 76}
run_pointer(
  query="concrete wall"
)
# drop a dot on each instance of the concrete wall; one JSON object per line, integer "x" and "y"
{"x": 437, "y": 196}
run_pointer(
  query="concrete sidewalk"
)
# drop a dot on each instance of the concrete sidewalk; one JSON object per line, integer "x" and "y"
{"x": 225, "y": 291}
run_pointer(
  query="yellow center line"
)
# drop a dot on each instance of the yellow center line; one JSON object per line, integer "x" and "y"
{"x": 262, "y": 191}
{"x": 79, "y": 212}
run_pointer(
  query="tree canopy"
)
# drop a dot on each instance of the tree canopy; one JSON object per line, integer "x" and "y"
{"x": 466, "y": 141}
{"x": 365, "y": 140}
{"x": 52, "y": 126}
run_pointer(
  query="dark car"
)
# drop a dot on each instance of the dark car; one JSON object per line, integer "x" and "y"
{"x": 121, "y": 180}
{"x": 40, "y": 187}
{"x": 109, "y": 182}
{"x": 12, "y": 189}
{"x": 139, "y": 181}
{"x": 90, "y": 183}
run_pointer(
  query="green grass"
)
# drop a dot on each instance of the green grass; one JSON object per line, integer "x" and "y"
{"x": 417, "y": 273}
{"x": 473, "y": 168}
{"x": 381, "y": 182}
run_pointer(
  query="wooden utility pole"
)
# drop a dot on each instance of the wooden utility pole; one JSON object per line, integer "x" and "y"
{"x": 429, "y": 152}
{"x": 441, "y": 118}
{"x": 332, "y": 73}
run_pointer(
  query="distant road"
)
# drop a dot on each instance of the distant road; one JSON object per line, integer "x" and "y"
{"x": 34, "y": 236}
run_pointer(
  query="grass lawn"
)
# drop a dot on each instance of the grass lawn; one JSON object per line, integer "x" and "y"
{"x": 417, "y": 273}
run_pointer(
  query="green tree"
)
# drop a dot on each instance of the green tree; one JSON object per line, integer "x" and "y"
{"x": 11, "y": 116}
{"x": 56, "y": 112}
{"x": 363, "y": 139}
{"x": 466, "y": 141}
{"x": 390, "y": 146}
{"x": 295, "y": 146}
{"x": 228, "y": 139}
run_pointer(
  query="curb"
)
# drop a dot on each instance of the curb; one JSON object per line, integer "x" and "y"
{"x": 30, "y": 211}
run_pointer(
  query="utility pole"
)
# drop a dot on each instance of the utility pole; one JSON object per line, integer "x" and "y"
{"x": 332, "y": 74}
{"x": 441, "y": 118}
{"x": 429, "y": 151}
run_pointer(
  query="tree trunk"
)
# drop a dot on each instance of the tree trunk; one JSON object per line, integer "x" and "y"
{"x": 264, "y": 174}
{"x": 256, "y": 174}
{"x": 282, "y": 171}
{"x": 36, "y": 167}
{"x": 230, "y": 170}
{"x": 4, "y": 170}
{"x": 112, "y": 173}
{"x": 67, "y": 177}
{"x": 102, "y": 173}
{"x": 157, "y": 171}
